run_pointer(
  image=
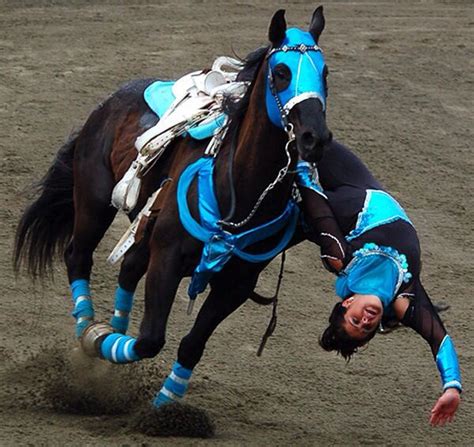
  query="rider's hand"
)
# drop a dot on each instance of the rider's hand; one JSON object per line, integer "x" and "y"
{"x": 445, "y": 409}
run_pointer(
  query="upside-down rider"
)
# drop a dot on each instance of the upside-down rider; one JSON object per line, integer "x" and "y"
{"x": 370, "y": 243}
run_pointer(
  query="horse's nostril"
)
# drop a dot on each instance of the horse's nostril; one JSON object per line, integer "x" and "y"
{"x": 308, "y": 139}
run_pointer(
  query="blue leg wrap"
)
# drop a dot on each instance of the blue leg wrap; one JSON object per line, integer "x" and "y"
{"x": 123, "y": 306}
{"x": 83, "y": 310}
{"x": 175, "y": 386}
{"x": 119, "y": 348}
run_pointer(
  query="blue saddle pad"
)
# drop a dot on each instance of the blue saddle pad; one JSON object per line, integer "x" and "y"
{"x": 159, "y": 97}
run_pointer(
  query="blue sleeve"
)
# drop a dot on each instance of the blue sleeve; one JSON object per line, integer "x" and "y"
{"x": 448, "y": 365}
{"x": 423, "y": 318}
{"x": 307, "y": 177}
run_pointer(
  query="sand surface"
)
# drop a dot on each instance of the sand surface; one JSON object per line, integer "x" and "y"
{"x": 401, "y": 95}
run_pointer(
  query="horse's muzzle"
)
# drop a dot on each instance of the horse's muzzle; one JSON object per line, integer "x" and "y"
{"x": 311, "y": 132}
{"x": 312, "y": 146}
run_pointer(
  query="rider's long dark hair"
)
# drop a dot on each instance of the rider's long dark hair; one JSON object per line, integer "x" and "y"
{"x": 335, "y": 338}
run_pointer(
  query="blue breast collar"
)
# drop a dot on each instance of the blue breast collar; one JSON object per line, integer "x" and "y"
{"x": 220, "y": 245}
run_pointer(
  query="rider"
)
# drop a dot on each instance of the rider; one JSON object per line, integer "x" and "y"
{"x": 369, "y": 242}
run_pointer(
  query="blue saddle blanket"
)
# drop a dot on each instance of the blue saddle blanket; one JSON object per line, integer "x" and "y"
{"x": 159, "y": 97}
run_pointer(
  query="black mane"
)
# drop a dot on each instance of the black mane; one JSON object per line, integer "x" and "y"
{"x": 236, "y": 108}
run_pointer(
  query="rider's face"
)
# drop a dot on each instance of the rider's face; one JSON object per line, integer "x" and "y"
{"x": 363, "y": 315}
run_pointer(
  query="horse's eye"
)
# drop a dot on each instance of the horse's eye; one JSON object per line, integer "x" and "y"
{"x": 282, "y": 76}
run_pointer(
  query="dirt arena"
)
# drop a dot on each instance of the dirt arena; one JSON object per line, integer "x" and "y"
{"x": 401, "y": 95}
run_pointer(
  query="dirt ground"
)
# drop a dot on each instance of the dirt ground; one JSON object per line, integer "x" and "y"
{"x": 401, "y": 95}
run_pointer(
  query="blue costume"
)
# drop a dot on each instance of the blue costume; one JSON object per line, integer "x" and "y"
{"x": 355, "y": 221}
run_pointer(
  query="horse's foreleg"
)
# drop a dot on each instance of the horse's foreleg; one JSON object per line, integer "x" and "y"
{"x": 228, "y": 293}
{"x": 164, "y": 275}
{"x": 163, "y": 278}
{"x": 132, "y": 269}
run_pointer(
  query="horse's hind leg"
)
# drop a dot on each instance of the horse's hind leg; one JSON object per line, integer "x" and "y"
{"x": 93, "y": 214}
{"x": 228, "y": 292}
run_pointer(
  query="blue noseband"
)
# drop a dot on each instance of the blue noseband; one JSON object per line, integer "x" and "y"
{"x": 300, "y": 53}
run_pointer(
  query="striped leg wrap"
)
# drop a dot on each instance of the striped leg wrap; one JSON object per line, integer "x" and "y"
{"x": 119, "y": 348}
{"x": 83, "y": 309}
{"x": 123, "y": 306}
{"x": 175, "y": 386}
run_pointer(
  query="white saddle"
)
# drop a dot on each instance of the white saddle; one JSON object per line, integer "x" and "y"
{"x": 198, "y": 100}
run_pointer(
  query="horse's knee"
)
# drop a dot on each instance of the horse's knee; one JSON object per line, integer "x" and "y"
{"x": 149, "y": 347}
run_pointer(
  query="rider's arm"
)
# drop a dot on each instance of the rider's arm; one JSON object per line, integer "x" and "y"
{"x": 323, "y": 228}
{"x": 420, "y": 314}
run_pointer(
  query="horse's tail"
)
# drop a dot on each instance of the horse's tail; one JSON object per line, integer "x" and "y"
{"x": 47, "y": 224}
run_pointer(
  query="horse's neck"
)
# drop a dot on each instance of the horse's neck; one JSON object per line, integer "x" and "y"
{"x": 260, "y": 154}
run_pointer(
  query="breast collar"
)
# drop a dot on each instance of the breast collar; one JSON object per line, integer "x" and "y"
{"x": 221, "y": 245}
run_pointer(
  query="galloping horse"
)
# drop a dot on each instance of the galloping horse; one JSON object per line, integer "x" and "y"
{"x": 280, "y": 118}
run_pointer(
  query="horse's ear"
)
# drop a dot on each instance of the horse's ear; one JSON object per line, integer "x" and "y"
{"x": 277, "y": 30}
{"x": 317, "y": 23}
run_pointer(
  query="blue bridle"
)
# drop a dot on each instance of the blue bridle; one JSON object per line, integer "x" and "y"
{"x": 305, "y": 60}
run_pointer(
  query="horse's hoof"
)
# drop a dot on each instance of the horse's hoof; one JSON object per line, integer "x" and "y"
{"x": 93, "y": 335}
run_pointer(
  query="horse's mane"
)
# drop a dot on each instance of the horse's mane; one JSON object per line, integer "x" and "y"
{"x": 236, "y": 108}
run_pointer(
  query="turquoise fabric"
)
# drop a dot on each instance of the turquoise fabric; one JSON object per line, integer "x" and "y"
{"x": 306, "y": 69}
{"x": 206, "y": 130}
{"x": 159, "y": 97}
{"x": 81, "y": 288}
{"x": 380, "y": 208}
{"x": 448, "y": 365}
{"x": 220, "y": 245}
{"x": 307, "y": 176}
{"x": 374, "y": 270}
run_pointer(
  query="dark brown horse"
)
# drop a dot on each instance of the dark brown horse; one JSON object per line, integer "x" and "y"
{"x": 286, "y": 99}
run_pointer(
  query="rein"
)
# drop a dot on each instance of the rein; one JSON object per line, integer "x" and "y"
{"x": 259, "y": 299}
{"x": 288, "y": 127}
{"x": 281, "y": 174}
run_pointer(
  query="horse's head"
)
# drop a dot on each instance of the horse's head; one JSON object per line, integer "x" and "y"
{"x": 296, "y": 87}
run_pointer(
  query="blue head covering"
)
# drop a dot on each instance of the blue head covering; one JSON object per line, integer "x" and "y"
{"x": 374, "y": 270}
{"x": 305, "y": 60}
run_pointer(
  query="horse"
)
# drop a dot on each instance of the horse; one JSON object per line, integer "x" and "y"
{"x": 281, "y": 118}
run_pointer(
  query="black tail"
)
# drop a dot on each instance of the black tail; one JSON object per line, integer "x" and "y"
{"x": 47, "y": 224}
